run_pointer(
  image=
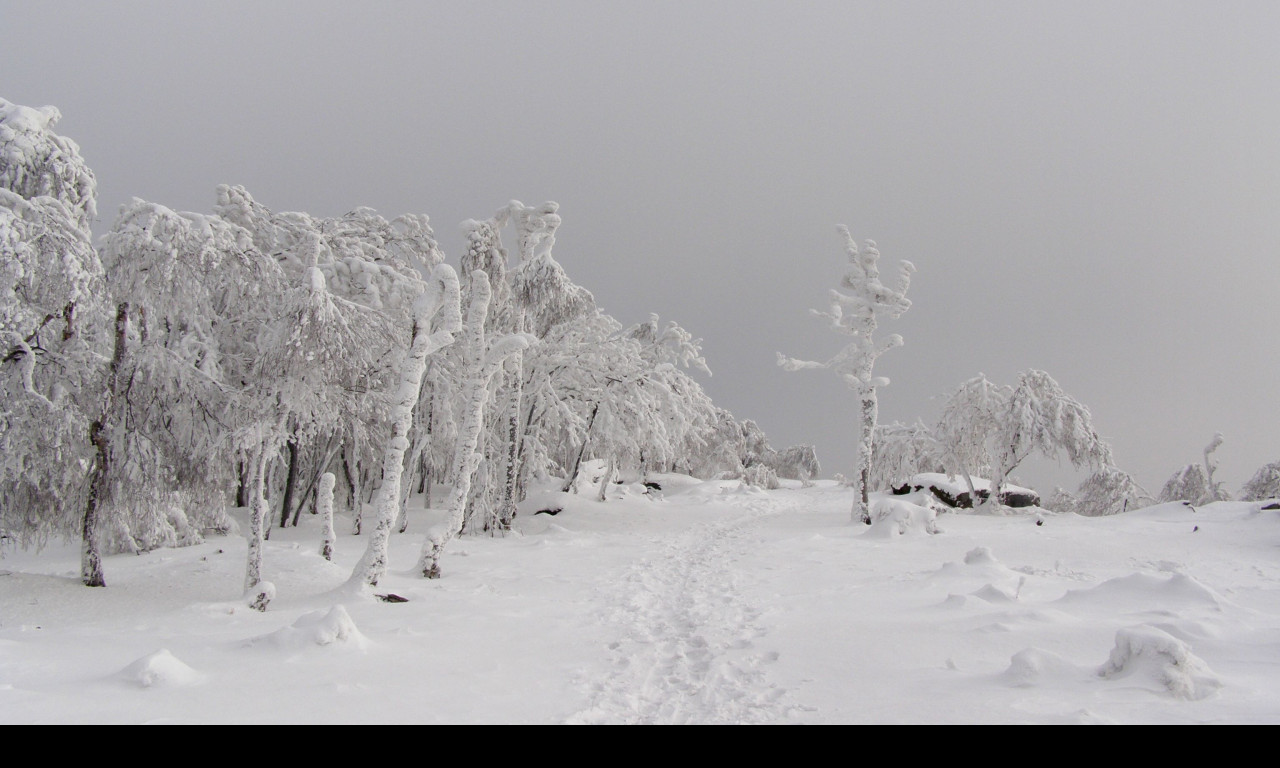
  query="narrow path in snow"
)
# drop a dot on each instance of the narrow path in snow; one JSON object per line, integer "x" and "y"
{"x": 687, "y": 653}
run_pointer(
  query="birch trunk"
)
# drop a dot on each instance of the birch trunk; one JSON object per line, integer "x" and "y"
{"x": 423, "y": 343}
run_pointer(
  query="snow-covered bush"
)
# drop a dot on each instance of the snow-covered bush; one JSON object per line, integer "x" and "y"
{"x": 1265, "y": 484}
{"x": 1109, "y": 491}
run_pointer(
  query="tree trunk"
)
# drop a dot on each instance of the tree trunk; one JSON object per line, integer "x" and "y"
{"x": 290, "y": 483}
{"x": 324, "y": 506}
{"x": 99, "y": 435}
{"x": 351, "y": 470}
{"x": 862, "y": 473}
{"x": 373, "y": 564}
{"x": 257, "y": 523}
{"x": 507, "y": 504}
{"x": 90, "y": 557}
{"x": 242, "y": 491}
{"x": 330, "y": 452}
{"x": 577, "y": 461}
{"x": 606, "y": 480}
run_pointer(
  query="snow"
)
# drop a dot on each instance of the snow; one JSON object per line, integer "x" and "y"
{"x": 709, "y": 604}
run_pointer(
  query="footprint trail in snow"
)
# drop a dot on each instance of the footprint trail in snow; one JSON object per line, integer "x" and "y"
{"x": 687, "y": 651}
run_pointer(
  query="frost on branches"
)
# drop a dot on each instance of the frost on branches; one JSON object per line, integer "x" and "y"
{"x": 36, "y": 162}
{"x": 856, "y": 312}
{"x": 52, "y": 321}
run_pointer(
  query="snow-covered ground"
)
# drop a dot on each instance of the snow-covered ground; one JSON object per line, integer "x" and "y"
{"x": 714, "y": 604}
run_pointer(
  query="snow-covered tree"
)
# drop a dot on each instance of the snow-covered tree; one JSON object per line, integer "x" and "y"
{"x": 798, "y": 462}
{"x": 53, "y": 332}
{"x": 972, "y": 414}
{"x": 1194, "y": 483}
{"x": 903, "y": 450}
{"x": 856, "y": 312}
{"x": 1265, "y": 484}
{"x": 1109, "y": 491}
{"x": 188, "y": 288}
{"x": 1042, "y": 418}
{"x": 372, "y": 268}
{"x": 36, "y": 162}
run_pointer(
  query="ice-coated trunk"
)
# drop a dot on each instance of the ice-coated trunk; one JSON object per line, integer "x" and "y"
{"x": 603, "y": 493}
{"x": 257, "y": 522}
{"x": 324, "y": 507}
{"x": 373, "y": 564}
{"x": 260, "y": 511}
{"x": 867, "y": 415}
{"x": 482, "y": 363}
{"x": 507, "y": 504}
{"x": 465, "y": 463}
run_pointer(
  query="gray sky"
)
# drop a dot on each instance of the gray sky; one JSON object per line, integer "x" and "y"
{"x": 1087, "y": 188}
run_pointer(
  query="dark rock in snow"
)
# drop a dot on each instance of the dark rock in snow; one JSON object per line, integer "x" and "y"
{"x": 553, "y": 511}
{"x": 391, "y": 597}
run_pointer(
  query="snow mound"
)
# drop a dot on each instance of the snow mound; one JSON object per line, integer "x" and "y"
{"x": 980, "y": 556}
{"x": 993, "y": 594}
{"x": 1033, "y": 666}
{"x": 318, "y": 628}
{"x": 892, "y": 517}
{"x": 160, "y": 669}
{"x": 1148, "y": 592}
{"x": 979, "y": 564}
{"x": 1150, "y": 655}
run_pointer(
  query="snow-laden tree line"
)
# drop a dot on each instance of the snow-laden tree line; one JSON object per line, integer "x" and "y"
{"x": 282, "y": 363}
{"x": 986, "y": 430}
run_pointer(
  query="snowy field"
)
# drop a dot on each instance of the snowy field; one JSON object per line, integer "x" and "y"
{"x": 714, "y": 604}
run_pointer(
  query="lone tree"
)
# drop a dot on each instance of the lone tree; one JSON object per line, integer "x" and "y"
{"x": 856, "y": 314}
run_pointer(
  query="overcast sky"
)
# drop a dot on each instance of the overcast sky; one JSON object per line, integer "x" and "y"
{"x": 1092, "y": 189}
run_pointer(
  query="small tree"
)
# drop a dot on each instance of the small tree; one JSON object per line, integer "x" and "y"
{"x": 903, "y": 450}
{"x": 856, "y": 314}
{"x": 1194, "y": 483}
{"x": 972, "y": 414}
{"x": 1041, "y": 418}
